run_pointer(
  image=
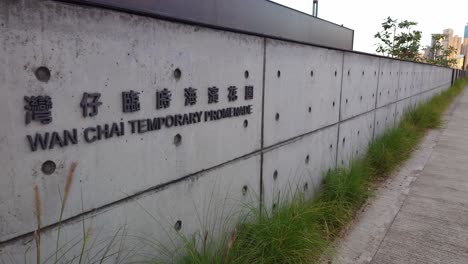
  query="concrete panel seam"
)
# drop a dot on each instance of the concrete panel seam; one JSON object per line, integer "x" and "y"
{"x": 398, "y": 92}
{"x": 339, "y": 109}
{"x": 262, "y": 128}
{"x": 376, "y": 96}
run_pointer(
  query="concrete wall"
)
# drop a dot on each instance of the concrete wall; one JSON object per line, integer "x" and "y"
{"x": 312, "y": 109}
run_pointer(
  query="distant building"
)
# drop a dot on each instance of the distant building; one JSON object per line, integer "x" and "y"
{"x": 464, "y": 52}
{"x": 448, "y": 32}
{"x": 465, "y": 36}
{"x": 464, "y": 48}
{"x": 450, "y": 40}
{"x": 430, "y": 53}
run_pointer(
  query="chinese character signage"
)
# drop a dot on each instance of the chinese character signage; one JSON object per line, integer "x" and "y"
{"x": 90, "y": 103}
{"x": 38, "y": 108}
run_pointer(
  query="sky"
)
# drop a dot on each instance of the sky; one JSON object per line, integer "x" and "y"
{"x": 365, "y": 16}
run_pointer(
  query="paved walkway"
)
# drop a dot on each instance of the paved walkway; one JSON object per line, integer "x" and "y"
{"x": 430, "y": 210}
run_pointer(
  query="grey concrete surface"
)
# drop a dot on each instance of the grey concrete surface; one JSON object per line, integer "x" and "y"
{"x": 420, "y": 215}
{"x": 304, "y": 105}
{"x": 306, "y": 80}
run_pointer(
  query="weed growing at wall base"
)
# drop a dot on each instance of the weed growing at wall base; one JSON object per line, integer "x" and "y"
{"x": 301, "y": 230}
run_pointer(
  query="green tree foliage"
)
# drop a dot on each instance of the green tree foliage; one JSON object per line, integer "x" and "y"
{"x": 399, "y": 40}
{"x": 440, "y": 54}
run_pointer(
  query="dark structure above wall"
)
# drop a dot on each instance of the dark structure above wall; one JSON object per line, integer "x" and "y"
{"x": 259, "y": 17}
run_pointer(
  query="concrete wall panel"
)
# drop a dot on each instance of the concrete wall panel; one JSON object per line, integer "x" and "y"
{"x": 108, "y": 54}
{"x": 209, "y": 202}
{"x": 388, "y": 81}
{"x": 359, "y": 86}
{"x": 442, "y": 77}
{"x": 354, "y": 137}
{"x": 430, "y": 80}
{"x": 298, "y": 166}
{"x": 384, "y": 119}
{"x": 445, "y": 76}
{"x": 302, "y": 86}
{"x": 428, "y": 71}
{"x": 418, "y": 79}
{"x": 406, "y": 83}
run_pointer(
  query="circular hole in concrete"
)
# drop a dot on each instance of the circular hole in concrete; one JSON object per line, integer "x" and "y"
{"x": 360, "y": 98}
{"x": 311, "y": 73}
{"x": 277, "y": 116}
{"x": 178, "y": 225}
{"x": 346, "y": 100}
{"x": 42, "y": 74}
{"x": 48, "y": 167}
{"x": 333, "y": 103}
{"x": 307, "y": 159}
{"x": 362, "y": 73}
{"x": 177, "y": 73}
{"x": 275, "y": 175}
{"x": 278, "y": 74}
{"x": 335, "y": 72}
{"x": 344, "y": 140}
{"x": 331, "y": 146}
{"x": 358, "y": 132}
{"x": 306, "y": 186}
{"x": 349, "y": 71}
{"x": 246, "y": 123}
{"x": 373, "y": 95}
{"x": 244, "y": 190}
{"x": 246, "y": 74}
{"x": 310, "y": 109}
{"x": 177, "y": 139}
{"x": 375, "y": 73}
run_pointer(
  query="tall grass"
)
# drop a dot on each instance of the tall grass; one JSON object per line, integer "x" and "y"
{"x": 68, "y": 184}
{"x": 108, "y": 250}
{"x": 301, "y": 230}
